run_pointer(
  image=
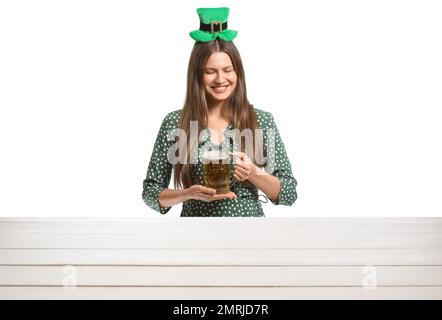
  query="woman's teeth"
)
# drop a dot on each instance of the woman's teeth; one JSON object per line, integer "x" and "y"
{"x": 220, "y": 89}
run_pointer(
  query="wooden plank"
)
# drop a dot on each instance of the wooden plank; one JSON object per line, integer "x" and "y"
{"x": 226, "y": 293}
{"x": 227, "y": 220}
{"x": 221, "y": 276}
{"x": 221, "y": 257}
{"x": 232, "y": 226}
{"x": 224, "y": 241}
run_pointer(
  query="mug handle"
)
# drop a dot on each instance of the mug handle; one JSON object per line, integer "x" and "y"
{"x": 234, "y": 181}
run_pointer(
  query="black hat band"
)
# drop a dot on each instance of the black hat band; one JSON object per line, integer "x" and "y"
{"x": 214, "y": 26}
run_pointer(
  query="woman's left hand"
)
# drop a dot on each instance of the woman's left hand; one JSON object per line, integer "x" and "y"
{"x": 244, "y": 167}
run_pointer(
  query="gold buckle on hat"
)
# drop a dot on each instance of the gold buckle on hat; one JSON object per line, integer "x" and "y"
{"x": 212, "y": 25}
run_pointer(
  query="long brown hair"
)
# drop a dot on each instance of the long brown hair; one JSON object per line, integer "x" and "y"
{"x": 237, "y": 109}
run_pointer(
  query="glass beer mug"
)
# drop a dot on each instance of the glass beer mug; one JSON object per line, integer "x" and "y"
{"x": 217, "y": 170}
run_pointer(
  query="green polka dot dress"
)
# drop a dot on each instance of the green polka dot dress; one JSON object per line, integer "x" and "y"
{"x": 247, "y": 204}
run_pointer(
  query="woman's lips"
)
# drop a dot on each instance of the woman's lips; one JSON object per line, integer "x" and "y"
{"x": 220, "y": 89}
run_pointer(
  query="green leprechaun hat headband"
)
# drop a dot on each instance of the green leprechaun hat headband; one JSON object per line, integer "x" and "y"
{"x": 213, "y": 24}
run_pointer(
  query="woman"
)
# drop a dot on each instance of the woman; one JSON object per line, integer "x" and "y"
{"x": 216, "y": 100}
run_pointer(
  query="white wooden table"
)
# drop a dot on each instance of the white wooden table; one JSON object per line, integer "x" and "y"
{"x": 221, "y": 258}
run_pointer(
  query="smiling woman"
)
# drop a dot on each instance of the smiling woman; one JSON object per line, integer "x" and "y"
{"x": 219, "y": 81}
{"x": 216, "y": 102}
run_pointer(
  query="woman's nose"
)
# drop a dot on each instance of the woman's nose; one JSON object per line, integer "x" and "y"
{"x": 219, "y": 78}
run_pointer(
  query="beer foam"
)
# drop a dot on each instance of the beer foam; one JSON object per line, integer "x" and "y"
{"x": 213, "y": 155}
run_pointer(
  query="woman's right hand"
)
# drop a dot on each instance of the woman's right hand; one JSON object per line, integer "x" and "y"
{"x": 199, "y": 192}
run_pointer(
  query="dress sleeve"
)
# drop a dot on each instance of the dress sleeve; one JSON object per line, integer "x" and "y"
{"x": 159, "y": 170}
{"x": 279, "y": 165}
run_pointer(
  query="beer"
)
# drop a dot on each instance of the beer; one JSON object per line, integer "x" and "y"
{"x": 216, "y": 170}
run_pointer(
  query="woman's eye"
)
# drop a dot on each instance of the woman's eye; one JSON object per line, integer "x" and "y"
{"x": 210, "y": 72}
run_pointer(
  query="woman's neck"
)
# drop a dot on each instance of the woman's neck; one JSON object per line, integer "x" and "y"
{"x": 215, "y": 110}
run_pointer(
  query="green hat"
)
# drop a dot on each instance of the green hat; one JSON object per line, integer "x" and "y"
{"x": 213, "y": 24}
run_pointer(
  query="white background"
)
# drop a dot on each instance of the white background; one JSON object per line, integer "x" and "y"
{"x": 354, "y": 86}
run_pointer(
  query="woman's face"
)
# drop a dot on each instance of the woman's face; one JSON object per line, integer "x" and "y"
{"x": 219, "y": 77}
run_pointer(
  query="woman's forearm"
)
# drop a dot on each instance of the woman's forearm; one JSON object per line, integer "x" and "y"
{"x": 267, "y": 183}
{"x": 170, "y": 197}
